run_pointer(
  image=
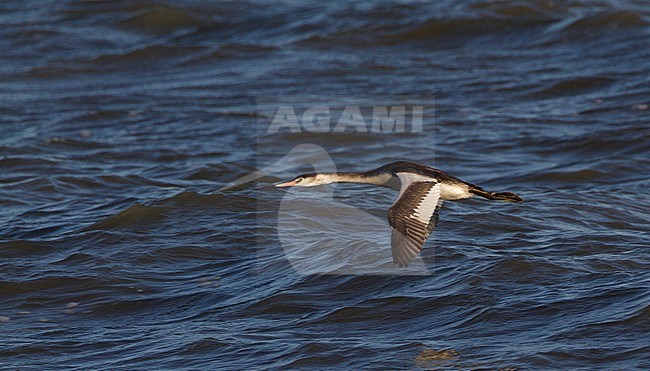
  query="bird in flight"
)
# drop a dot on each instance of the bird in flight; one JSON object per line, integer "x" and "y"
{"x": 414, "y": 214}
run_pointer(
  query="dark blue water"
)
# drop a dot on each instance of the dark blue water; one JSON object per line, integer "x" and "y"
{"x": 122, "y": 120}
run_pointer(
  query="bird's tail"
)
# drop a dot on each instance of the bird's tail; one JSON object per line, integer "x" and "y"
{"x": 502, "y": 196}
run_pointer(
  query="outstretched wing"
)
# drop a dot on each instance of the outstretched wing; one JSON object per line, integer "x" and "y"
{"x": 413, "y": 216}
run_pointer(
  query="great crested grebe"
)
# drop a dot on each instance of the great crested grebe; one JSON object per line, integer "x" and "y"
{"x": 414, "y": 214}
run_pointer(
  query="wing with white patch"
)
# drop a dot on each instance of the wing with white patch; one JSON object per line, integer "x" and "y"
{"x": 413, "y": 217}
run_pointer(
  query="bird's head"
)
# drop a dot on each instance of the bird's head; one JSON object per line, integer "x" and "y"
{"x": 307, "y": 180}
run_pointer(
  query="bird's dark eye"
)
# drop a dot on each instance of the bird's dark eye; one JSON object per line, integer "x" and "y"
{"x": 298, "y": 180}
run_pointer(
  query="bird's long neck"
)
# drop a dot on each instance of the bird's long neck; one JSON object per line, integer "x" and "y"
{"x": 380, "y": 179}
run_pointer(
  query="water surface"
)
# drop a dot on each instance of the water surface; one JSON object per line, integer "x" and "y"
{"x": 120, "y": 119}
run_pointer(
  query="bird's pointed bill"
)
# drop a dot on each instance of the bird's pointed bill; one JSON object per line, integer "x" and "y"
{"x": 287, "y": 184}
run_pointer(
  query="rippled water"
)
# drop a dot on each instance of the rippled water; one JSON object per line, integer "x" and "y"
{"x": 121, "y": 118}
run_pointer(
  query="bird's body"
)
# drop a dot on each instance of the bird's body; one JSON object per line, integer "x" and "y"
{"x": 414, "y": 214}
